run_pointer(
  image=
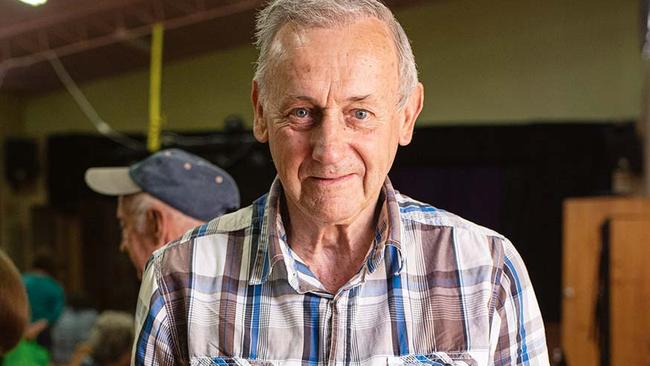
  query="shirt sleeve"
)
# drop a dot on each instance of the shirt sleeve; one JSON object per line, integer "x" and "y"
{"x": 518, "y": 329}
{"x": 154, "y": 342}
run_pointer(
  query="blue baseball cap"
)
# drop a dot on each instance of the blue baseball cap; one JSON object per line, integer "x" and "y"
{"x": 186, "y": 182}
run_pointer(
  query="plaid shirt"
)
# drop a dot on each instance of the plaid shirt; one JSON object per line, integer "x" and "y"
{"x": 434, "y": 289}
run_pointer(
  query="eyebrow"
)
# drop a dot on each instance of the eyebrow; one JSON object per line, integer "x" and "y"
{"x": 356, "y": 98}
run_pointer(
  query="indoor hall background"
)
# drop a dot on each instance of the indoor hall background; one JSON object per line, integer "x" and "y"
{"x": 523, "y": 105}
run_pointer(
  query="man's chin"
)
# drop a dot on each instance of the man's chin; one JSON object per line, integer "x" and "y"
{"x": 330, "y": 207}
{"x": 333, "y": 214}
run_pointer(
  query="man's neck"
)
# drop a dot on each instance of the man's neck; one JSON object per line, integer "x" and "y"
{"x": 333, "y": 252}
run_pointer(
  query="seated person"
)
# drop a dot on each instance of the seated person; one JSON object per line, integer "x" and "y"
{"x": 14, "y": 310}
{"x": 110, "y": 342}
{"x": 45, "y": 294}
{"x": 17, "y": 336}
{"x": 73, "y": 328}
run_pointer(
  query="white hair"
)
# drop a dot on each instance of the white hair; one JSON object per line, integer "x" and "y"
{"x": 328, "y": 14}
{"x": 140, "y": 203}
{"x": 137, "y": 207}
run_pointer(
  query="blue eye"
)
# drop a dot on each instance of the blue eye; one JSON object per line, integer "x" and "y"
{"x": 301, "y": 112}
{"x": 361, "y": 114}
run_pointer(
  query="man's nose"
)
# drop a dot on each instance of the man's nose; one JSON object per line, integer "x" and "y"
{"x": 123, "y": 245}
{"x": 328, "y": 139}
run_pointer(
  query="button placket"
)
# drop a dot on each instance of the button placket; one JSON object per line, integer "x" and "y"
{"x": 333, "y": 331}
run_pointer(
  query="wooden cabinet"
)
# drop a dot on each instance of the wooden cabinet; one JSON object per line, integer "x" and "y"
{"x": 629, "y": 271}
{"x": 630, "y": 290}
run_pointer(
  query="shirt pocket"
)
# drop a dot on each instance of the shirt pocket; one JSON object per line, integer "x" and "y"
{"x": 435, "y": 359}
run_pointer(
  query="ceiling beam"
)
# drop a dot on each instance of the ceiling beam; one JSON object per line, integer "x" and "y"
{"x": 79, "y": 11}
{"x": 117, "y": 26}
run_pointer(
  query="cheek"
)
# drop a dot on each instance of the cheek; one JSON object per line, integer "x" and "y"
{"x": 132, "y": 244}
{"x": 125, "y": 243}
{"x": 289, "y": 150}
{"x": 377, "y": 154}
{"x": 138, "y": 252}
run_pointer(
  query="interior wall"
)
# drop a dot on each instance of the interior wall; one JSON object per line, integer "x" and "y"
{"x": 520, "y": 60}
{"x": 10, "y": 115}
{"x": 481, "y": 61}
{"x": 15, "y": 204}
{"x": 197, "y": 94}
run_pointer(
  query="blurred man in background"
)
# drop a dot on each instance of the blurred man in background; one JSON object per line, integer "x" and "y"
{"x": 163, "y": 196}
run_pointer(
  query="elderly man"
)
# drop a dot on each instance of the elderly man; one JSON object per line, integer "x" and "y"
{"x": 333, "y": 266}
{"x": 163, "y": 196}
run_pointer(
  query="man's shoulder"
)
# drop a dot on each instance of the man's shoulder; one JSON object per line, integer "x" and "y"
{"x": 444, "y": 233}
{"x": 412, "y": 210}
{"x": 225, "y": 224}
{"x": 208, "y": 240}
{"x": 228, "y": 223}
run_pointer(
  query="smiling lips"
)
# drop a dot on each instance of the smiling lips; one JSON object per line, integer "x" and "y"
{"x": 331, "y": 180}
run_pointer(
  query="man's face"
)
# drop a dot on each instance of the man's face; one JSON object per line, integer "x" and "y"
{"x": 135, "y": 240}
{"x": 331, "y": 117}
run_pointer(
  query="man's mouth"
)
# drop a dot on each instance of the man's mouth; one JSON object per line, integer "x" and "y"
{"x": 328, "y": 180}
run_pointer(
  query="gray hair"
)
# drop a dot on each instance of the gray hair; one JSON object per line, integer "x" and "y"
{"x": 327, "y": 14}
{"x": 111, "y": 336}
{"x": 140, "y": 203}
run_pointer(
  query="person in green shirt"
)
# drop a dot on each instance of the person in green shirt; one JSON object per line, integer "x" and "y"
{"x": 45, "y": 294}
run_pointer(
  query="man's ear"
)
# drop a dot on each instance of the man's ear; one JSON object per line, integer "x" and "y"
{"x": 156, "y": 225}
{"x": 260, "y": 129}
{"x": 410, "y": 113}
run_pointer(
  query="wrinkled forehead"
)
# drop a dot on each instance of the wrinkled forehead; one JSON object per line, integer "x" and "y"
{"x": 371, "y": 33}
{"x": 362, "y": 49}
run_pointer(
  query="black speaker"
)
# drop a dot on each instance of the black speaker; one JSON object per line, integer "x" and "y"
{"x": 21, "y": 161}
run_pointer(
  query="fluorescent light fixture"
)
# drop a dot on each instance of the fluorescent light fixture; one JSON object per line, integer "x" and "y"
{"x": 34, "y": 2}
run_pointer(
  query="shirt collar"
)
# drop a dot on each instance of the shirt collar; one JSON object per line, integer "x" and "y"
{"x": 270, "y": 236}
{"x": 265, "y": 236}
{"x": 387, "y": 244}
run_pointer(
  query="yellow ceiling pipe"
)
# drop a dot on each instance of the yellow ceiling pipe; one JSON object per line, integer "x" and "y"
{"x": 155, "y": 76}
